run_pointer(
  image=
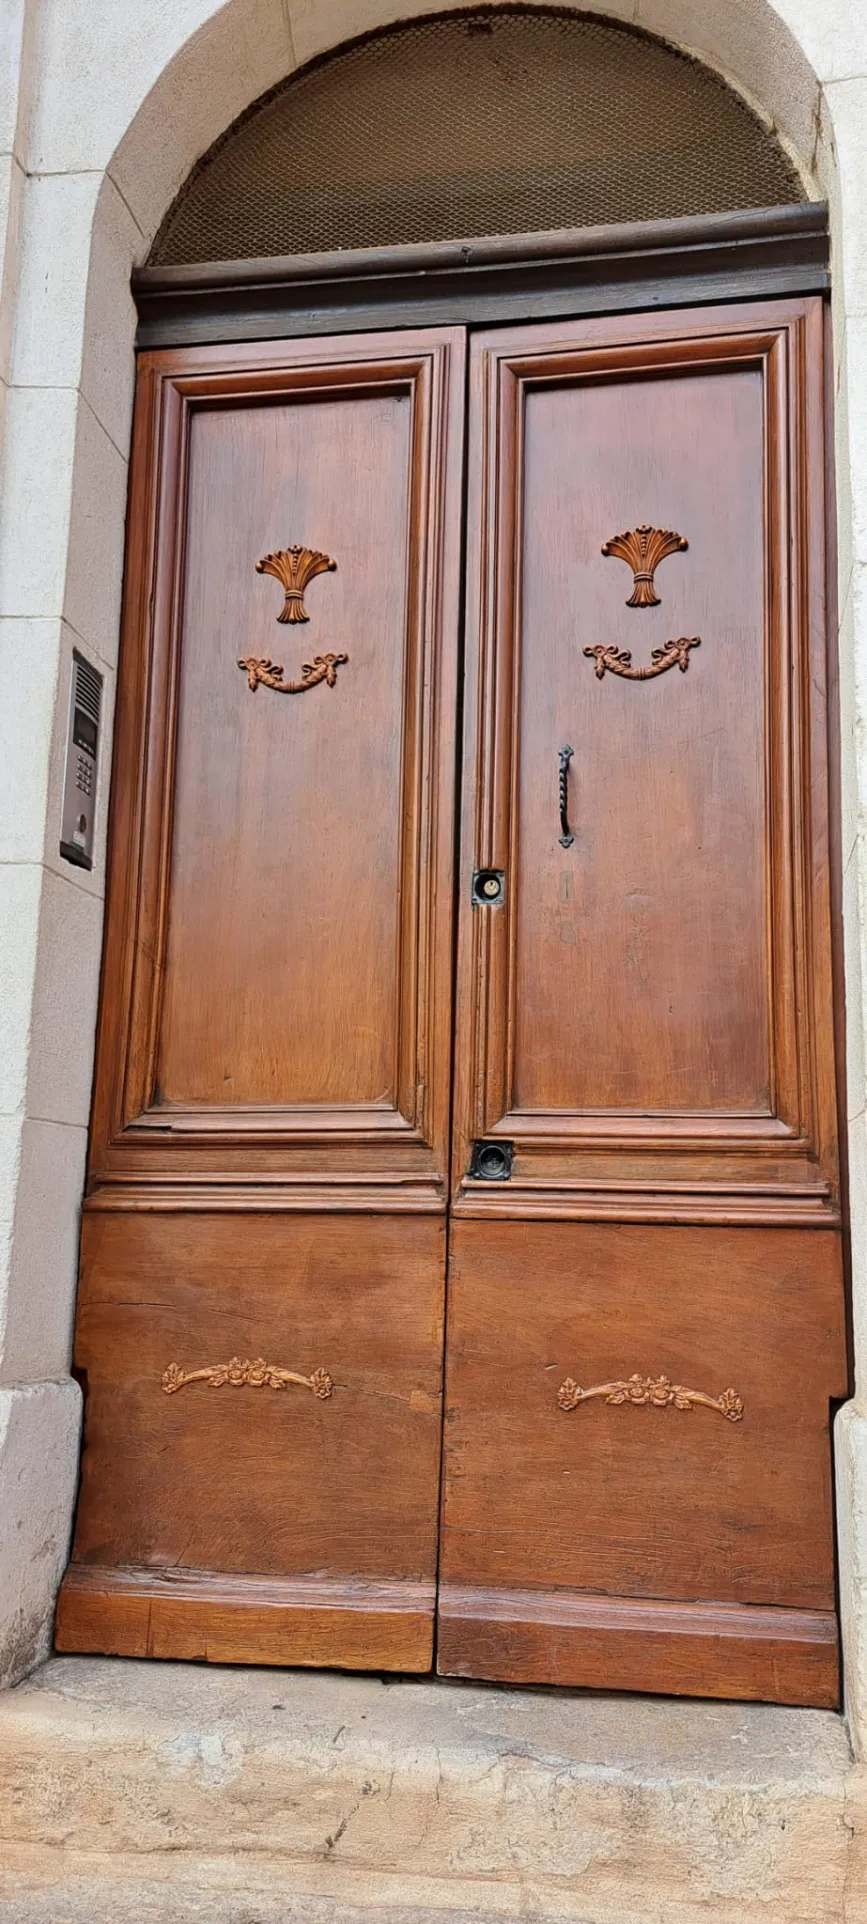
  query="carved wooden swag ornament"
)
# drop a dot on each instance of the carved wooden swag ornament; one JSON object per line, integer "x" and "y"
{"x": 294, "y": 568}
{"x": 643, "y": 548}
{"x": 656, "y": 1392}
{"x": 242, "y": 1373}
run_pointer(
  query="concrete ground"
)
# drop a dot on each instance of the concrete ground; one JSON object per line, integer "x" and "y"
{"x": 174, "y": 1793}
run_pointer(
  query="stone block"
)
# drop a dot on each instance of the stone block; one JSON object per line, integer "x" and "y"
{"x": 56, "y": 225}
{"x": 78, "y": 245}
{"x": 29, "y": 657}
{"x": 76, "y": 317}
{"x": 857, "y": 1144}
{"x": 833, "y": 35}
{"x": 318, "y": 25}
{"x": 10, "y": 1162}
{"x": 96, "y": 66}
{"x": 457, "y": 1800}
{"x": 12, "y": 25}
{"x": 39, "y": 1429}
{"x": 850, "y": 1438}
{"x": 187, "y": 102}
{"x": 852, "y": 395}
{"x": 11, "y": 197}
{"x": 65, "y": 992}
{"x": 36, "y": 1324}
{"x": 855, "y": 972}
{"x": 845, "y": 105}
{"x": 108, "y": 355}
{"x": 20, "y": 890}
{"x": 38, "y": 459}
{"x": 97, "y": 510}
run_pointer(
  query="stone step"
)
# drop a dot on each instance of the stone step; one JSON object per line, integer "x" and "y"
{"x": 177, "y": 1792}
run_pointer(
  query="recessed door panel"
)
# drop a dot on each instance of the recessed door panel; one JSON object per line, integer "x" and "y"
{"x": 639, "y": 975}
{"x": 721, "y": 1492}
{"x": 283, "y": 942}
{"x": 279, "y": 966}
{"x": 262, "y": 1441}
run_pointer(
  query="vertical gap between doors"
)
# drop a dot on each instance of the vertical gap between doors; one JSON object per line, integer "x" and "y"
{"x": 458, "y": 723}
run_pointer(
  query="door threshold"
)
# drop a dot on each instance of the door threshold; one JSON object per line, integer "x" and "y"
{"x": 420, "y": 1798}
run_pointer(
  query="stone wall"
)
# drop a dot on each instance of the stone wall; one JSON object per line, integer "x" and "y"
{"x": 104, "y": 107}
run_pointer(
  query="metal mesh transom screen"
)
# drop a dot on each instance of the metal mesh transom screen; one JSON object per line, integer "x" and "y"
{"x": 469, "y": 124}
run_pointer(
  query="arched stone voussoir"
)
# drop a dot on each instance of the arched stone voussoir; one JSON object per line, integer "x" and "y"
{"x": 143, "y": 106}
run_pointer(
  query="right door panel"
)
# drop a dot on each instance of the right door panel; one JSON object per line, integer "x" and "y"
{"x": 645, "y": 1310}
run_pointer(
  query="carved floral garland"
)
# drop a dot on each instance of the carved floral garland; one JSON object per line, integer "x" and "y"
{"x": 239, "y": 1374}
{"x": 658, "y": 1391}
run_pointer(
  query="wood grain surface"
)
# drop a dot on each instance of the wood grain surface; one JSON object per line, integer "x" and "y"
{"x": 269, "y": 1151}
{"x": 276, "y": 1001}
{"x": 626, "y": 1500}
{"x": 649, "y": 1017}
{"x": 253, "y": 1481}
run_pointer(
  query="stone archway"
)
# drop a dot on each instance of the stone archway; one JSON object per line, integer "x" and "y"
{"x": 110, "y": 124}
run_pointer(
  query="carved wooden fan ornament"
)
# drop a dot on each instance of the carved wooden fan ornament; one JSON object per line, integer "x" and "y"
{"x": 643, "y": 548}
{"x": 294, "y": 568}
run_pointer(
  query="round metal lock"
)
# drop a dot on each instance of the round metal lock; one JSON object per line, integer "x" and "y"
{"x": 488, "y": 887}
{"x": 492, "y": 1161}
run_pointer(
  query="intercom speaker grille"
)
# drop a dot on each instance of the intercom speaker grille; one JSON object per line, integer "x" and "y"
{"x": 470, "y": 124}
{"x": 88, "y": 688}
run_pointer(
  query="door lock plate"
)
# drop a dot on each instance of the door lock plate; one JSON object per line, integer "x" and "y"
{"x": 492, "y": 1161}
{"x": 489, "y": 888}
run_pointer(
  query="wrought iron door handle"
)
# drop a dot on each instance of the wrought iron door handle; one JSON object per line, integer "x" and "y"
{"x": 566, "y": 836}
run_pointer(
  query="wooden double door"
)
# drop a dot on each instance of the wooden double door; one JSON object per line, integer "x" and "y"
{"x": 461, "y": 1276}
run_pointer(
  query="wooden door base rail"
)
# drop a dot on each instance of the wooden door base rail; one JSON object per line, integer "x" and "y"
{"x": 656, "y": 1390}
{"x": 702, "y": 1649}
{"x": 220, "y": 1617}
{"x": 256, "y": 1375}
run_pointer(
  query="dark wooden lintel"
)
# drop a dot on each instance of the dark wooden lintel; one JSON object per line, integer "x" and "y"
{"x": 640, "y": 265}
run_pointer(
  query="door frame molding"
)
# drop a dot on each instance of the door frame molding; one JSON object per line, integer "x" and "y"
{"x": 757, "y": 254}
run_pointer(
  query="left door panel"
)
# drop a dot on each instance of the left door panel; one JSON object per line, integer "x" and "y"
{"x": 260, "y": 1322}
